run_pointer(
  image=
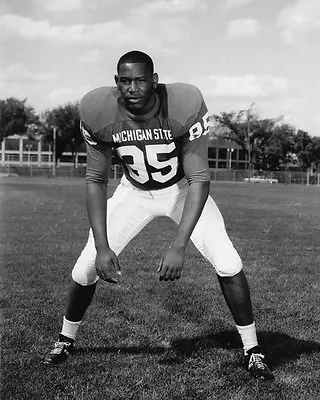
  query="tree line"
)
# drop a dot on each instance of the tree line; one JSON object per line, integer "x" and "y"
{"x": 268, "y": 143}
{"x": 17, "y": 117}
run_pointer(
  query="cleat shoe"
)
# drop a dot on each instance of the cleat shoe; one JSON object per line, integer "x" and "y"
{"x": 61, "y": 351}
{"x": 254, "y": 360}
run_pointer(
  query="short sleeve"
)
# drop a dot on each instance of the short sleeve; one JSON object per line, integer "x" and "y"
{"x": 99, "y": 157}
{"x": 195, "y": 147}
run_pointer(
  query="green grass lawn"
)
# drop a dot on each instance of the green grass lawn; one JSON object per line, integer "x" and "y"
{"x": 123, "y": 344}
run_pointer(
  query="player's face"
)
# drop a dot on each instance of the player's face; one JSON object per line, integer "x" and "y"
{"x": 137, "y": 87}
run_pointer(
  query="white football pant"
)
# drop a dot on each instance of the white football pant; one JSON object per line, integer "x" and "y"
{"x": 129, "y": 210}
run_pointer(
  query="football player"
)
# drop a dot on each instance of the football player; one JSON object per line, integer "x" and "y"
{"x": 160, "y": 133}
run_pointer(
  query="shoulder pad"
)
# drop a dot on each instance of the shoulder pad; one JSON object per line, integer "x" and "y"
{"x": 184, "y": 101}
{"x": 98, "y": 107}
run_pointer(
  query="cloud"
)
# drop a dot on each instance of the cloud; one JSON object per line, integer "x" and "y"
{"x": 169, "y": 6}
{"x": 18, "y": 73}
{"x": 299, "y": 20}
{"x": 237, "y": 3}
{"x": 148, "y": 8}
{"x": 92, "y": 56}
{"x": 12, "y": 89}
{"x": 154, "y": 34}
{"x": 66, "y": 94}
{"x": 168, "y": 79}
{"x": 151, "y": 34}
{"x": 296, "y": 111}
{"x": 26, "y": 28}
{"x": 247, "y": 86}
{"x": 4, "y": 7}
{"x": 18, "y": 81}
{"x": 244, "y": 27}
{"x": 67, "y": 5}
{"x": 60, "y": 5}
{"x": 59, "y": 93}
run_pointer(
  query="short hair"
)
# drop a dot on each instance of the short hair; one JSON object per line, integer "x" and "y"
{"x": 134, "y": 57}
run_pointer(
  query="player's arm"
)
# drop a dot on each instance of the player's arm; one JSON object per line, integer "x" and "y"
{"x": 195, "y": 164}
{"x": 97, "y": 173}
{"x": 98, "y": 167}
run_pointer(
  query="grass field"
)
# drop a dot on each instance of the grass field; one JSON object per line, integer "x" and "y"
{"x": 123, "y": 345}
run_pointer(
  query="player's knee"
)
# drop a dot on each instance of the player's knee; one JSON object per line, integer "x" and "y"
{"x": 229, "y": 265}
{"x": 84, "y": 272}
{"x": 84, "y": 278}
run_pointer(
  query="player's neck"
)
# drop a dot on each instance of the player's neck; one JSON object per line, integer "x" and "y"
{"x": 147, "y": 111}
{"x": 148, "y": 107}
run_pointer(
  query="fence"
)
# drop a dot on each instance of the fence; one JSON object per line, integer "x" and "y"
{"x": 285, "y": 177}
{"x": 217, "y": 175}
{"x": 69, "y": 171}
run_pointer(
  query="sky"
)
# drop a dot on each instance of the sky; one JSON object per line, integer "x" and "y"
{"x": 243, "y": 54}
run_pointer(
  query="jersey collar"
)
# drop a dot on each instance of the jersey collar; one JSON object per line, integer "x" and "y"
{"x": 142, "y": 117}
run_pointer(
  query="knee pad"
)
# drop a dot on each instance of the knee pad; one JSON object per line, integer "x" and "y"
{"x": 228, "y": 265}
{"x": 84, "y": 272}
{"x": 83, "y": 278}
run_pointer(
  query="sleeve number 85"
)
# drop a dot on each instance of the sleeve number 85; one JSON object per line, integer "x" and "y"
{"x": 200, "y": 128}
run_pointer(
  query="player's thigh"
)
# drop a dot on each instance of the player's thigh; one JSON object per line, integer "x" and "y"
{"x": 127, "y": 214}
{"x": 210, "y": 237}
{"x": 212, "y": 240}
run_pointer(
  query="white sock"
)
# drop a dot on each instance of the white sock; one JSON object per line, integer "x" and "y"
{"x": 248, "y": 336}
{"x": 70, "y": 328}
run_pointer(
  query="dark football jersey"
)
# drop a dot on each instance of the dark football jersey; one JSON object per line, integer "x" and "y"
{"x": 155, "y": 149}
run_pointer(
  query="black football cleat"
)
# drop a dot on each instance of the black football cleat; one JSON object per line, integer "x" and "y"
{"x": 62, "y": 349}
{"x": 254, "y": 361}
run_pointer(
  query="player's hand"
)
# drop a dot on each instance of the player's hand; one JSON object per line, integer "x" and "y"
{"x": 107, "y": 265}
{"x": 171, "y": 264}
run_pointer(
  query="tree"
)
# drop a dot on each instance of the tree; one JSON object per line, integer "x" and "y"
{"x": 234, "y": 128}
{"x": 269, "y": 145}
{"x": 262, "y": 131}
{"x": 15, "y": 117}
{"x": 316, "y": 150}
{"x": 305, "y": 149}
{"x": 66, "y": 120}
{"x": 279, "y": 147}
{"x": 241, "y": 127}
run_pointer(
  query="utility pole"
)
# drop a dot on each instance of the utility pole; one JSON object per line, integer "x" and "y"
{"x": 54, "y": 151}
{"x": 29, "y": 147}
{"x": 249, "y": 133}
{"x": 247, "y": 141}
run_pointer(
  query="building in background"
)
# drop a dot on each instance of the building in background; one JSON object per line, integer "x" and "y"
{"x": 22, "y": 151}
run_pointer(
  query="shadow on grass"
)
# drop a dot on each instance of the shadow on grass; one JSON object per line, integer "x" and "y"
{"x": 279, "y": 347}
